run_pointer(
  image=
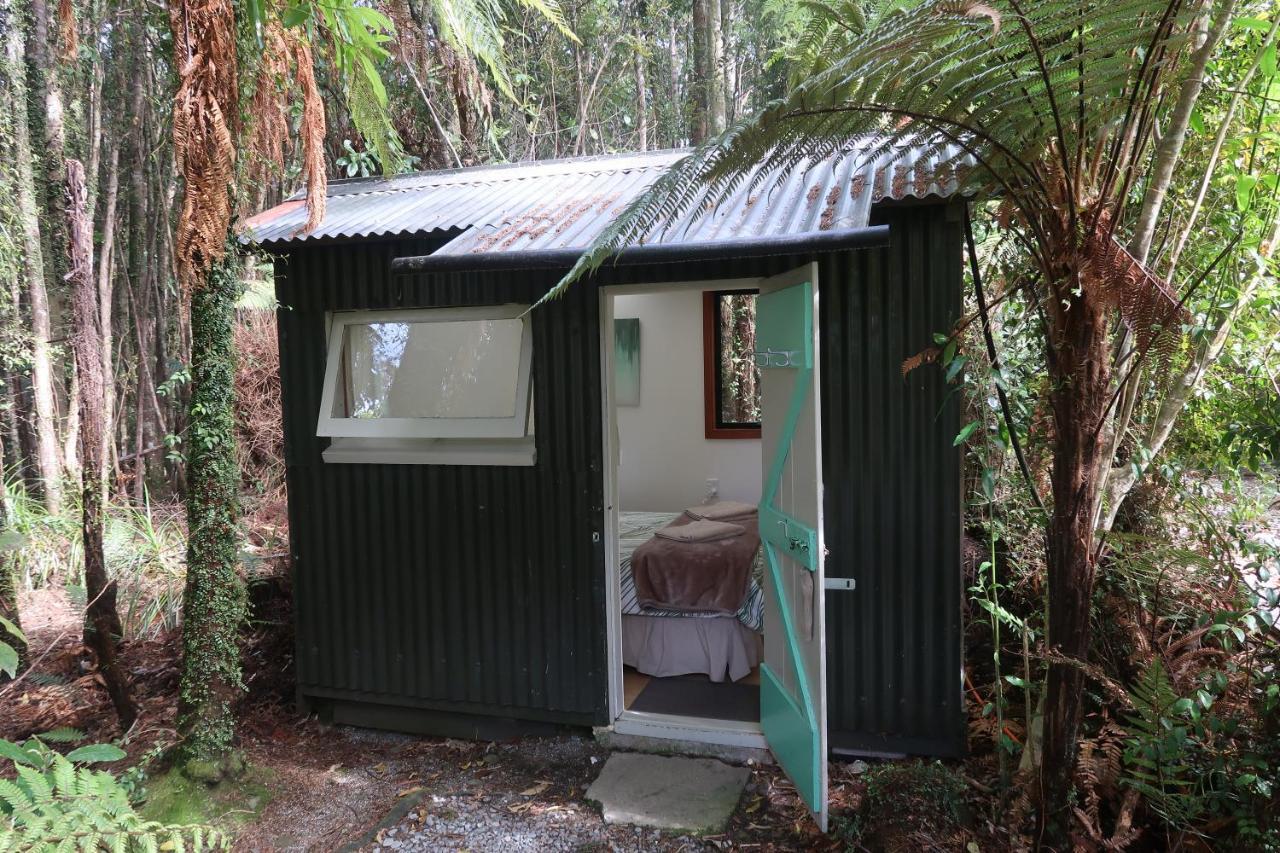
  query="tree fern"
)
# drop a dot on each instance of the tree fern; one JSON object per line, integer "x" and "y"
{"x": 1057, "y": 102}
{"x": 1046, "y": 99}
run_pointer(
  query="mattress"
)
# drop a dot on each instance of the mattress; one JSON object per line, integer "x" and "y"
{"x": 636, "y": 528}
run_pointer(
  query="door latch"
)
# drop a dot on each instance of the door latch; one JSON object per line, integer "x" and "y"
{"x": 839, "y": 583}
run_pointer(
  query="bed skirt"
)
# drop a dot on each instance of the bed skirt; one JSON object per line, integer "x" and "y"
{"x": 719, "y": 648}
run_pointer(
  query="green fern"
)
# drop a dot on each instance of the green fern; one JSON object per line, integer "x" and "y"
{"x": 57, "y": 804}
{"x": 1047, "y": 98}
{"x": 1158, "y": 754}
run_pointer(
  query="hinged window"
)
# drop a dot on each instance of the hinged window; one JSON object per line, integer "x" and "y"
{"x": 430, "y": 374}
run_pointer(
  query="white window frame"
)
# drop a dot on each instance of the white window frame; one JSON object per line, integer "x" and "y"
{"x": 514, "y": 427}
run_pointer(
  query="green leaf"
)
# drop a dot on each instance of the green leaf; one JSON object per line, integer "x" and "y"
{"x": 1256, "y": 24}
{"x": 13, "y": 629}
{"x": 16, "y": 754}
{"x": 989, "y": 484}
{"x": 96, "y": 752}
{"x": 8, "y": 659}
{"x": 294, "y": 15}
{"x": 12, "y": 540}
{"x": 1244, "y": 189}
{"x": 969, "y": 429}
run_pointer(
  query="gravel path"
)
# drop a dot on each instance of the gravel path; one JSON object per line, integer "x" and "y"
{"x": 525, "y": 796}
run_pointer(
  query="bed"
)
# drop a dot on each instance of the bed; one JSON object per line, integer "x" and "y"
{"x": 664, "y": 643}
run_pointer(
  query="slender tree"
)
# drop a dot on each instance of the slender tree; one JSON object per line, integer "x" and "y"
{"x": 35, "y": 293}
{"x": 102, "y": 628}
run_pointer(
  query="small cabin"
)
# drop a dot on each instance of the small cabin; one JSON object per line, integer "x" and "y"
{"x": 695, "y": 497}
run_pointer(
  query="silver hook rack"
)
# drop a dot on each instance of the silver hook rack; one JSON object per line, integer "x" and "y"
{"x": 776, "y": 358}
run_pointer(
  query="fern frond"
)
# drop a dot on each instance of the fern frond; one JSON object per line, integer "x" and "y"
{"x": 1030, "y": 92}
{"x": 63, "y": 734}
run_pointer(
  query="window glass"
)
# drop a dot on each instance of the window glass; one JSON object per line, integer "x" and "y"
{"x": 446, "y": 369}
{"x": 738, "y": 378}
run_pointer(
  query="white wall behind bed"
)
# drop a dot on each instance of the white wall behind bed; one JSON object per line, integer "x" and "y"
{"x": 664, "y": 461}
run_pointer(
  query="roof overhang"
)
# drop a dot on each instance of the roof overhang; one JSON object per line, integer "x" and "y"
{"x": 807, "y": 242}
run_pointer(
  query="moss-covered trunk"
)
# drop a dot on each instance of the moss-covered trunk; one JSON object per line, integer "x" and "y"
{"x": 213, "y": 603}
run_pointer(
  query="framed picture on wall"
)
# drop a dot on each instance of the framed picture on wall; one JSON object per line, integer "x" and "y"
{"x": 626, "y": 361}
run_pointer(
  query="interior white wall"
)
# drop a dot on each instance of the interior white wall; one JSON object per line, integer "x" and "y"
{"x": 664, "y": 461}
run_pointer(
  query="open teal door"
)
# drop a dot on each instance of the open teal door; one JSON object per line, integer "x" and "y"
{"x": 793, "y": 703}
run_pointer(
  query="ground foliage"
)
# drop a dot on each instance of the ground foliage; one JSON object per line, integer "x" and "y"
{"x": 57, "y": 801}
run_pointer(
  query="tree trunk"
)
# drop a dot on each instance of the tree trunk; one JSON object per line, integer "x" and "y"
{"x": 1081, "y": 374}
{"x": 42, "y": 404}
{"x": 9, "y": 580}
{"x": 106, "y": 294}
{"x": 213, "y": 603}
{"x": 102, "y": 620}
{"x": 642, "y": 102}
{"x": 51, "y": 124}
{"x": 714, "y": 80}
{"x": 677, "y": 96}
{"x": 728, "y": 63}
{"x": 1169, "y": 148}
{"x": 701, "y": 128}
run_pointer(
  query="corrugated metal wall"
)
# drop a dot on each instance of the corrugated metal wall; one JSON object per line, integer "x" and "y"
{"x": 481, "y": 590}
{"x": 893, "y": 502}
{"x": 475, "y": 589}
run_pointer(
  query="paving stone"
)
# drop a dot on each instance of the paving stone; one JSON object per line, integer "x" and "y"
{"x": 668, "y": 792}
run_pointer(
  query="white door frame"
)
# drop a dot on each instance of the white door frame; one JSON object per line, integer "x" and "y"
{"x": 669, "y": 726}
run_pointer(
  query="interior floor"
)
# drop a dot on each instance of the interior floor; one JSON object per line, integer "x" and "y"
{"x": 693, "y": 696}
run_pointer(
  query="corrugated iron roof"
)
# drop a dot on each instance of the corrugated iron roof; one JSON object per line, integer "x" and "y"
{"x": 563, "y": 204}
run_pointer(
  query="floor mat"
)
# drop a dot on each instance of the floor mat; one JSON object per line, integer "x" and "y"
{"x": 698, "y": 696}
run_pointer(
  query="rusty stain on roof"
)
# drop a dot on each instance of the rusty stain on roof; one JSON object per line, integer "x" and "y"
{"x": 829, "y": 211}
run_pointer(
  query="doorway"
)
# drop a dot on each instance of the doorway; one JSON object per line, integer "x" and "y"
{"x": 695, "y": 565}
{"x": 688, "y": 668}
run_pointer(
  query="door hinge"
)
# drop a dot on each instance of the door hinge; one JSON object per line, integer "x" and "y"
{"x": 839, "y": 583}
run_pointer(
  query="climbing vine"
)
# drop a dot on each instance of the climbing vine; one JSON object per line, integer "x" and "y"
{"x": 214, "y": 600}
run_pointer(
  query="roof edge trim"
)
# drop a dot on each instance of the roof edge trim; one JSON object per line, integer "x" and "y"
{"x": 867, "y": 237}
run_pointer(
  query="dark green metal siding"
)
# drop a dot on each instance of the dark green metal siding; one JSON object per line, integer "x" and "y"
{"x": 892, "y": 491}
{"x": 474, "y": 589}
{"x": 481, "y": 590}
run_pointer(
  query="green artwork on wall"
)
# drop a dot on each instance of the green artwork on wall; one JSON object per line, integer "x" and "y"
{"x": 626, "y": 361}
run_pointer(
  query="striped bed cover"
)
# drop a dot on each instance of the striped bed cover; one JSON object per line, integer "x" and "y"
{"x": 636, "y": 528}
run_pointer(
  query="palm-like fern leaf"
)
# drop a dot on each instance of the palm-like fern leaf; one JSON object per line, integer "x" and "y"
{"x": 1044, "y": 96}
